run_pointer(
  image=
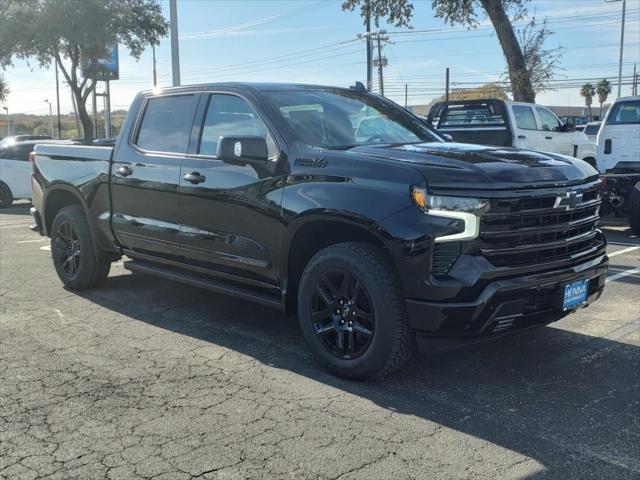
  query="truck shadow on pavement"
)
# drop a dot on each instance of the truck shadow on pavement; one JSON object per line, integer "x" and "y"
{"x": 566, "y": 400}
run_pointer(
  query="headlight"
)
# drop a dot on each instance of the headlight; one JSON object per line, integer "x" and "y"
{"x": 466, "y": 209}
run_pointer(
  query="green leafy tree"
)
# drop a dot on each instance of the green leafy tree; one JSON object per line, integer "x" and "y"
{"x": 501, "y": 13}
{"x": 588, "y": 91}
{"x": 603, "y": 89}
{"x": 4, "y": 89}
{"x": 72, "y": 31}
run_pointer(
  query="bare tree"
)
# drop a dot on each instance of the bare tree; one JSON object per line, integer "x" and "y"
{"x": 501, "y": 13}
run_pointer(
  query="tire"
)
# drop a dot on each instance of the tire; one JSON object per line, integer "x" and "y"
{"x": 6, "y": 197}
{"x": 634, "y": 209}
{"x": 70, "y": 233}
{"x": 377, "y": 307}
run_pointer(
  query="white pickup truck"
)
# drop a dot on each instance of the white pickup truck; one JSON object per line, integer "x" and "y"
{"x": 510, "y": 124}
{"x": 619, "y": 159}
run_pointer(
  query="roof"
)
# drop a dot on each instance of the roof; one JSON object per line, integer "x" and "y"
{"x": 249, "y": 86}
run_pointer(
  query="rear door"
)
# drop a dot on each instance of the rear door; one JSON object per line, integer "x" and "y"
{"x": 15, "y": 169}
{"x": 145, "y": 176}
{"x": 230, "y": 213}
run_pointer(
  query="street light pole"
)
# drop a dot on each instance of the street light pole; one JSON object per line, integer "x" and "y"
{"x": 175, "y": 49}
{"x": 46, "y": 100}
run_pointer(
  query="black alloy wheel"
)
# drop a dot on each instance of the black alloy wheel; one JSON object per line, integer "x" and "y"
{"x": 351, "y": 311}
{"x": 66, "y": 248}
{"x": 342, "y": 314}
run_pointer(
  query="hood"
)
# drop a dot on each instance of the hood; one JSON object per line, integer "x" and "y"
{"x": 461, "y": 165}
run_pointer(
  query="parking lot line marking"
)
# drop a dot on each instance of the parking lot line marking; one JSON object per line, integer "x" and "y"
{"x": 14, "y": 226}
{"x": 623, "y": 244}
{"x": 46, "y": 240}
{"x": 11, "y": 222}
{"x": 624, "y": 250}
{"x": 626, "y": 273}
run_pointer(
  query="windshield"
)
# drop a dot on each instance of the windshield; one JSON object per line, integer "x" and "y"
{"x": 342, "y": 119}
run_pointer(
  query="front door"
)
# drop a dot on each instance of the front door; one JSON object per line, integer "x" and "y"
{"x": 146, "y": 176}
{"x": 230, "y": 213}
{"x": 559, "y": 141}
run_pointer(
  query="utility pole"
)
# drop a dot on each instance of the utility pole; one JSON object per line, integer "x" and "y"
{"x": 624, "y": 9}
{"x": 406, "y": 95}
{"x": 155, "y": 75}
{"x": 58, "y": 102}
{"x": 634, "y": 83}
{"x": 368, "y": 35}
{"x": 46, "y": 100}
{"x": 175, "y": 49}
{"x": 446, "y": 86}
{"x": 380, "y": 78}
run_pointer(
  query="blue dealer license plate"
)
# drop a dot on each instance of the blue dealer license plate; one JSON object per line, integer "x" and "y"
{"x": 575, "y": 294}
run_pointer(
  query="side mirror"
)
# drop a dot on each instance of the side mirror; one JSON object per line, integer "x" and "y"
{"x": 447, "y": 137}
{"x": 567, "y": 127}
{"x": 243, "y": 150}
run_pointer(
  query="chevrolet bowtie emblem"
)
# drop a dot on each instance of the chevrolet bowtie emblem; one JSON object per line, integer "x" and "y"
{"x": 569, "y": 200}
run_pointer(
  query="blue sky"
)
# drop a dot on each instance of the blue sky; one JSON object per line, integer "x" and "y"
{"x": 314, "y": 41}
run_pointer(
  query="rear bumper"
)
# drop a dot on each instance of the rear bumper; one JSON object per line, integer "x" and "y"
{"x": 506, "y": 305}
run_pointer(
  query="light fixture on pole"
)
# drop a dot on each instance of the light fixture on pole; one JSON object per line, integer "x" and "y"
{"x": 46, "y": 100}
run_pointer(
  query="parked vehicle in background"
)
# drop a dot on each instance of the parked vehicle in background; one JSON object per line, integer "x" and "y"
{"x": 591, "y": 131}
{"x": 619, "y": 159}
{"x": 6, "y": 141}
{"x": 333, "y": 203}
{"x": 15, "y": 170}
{"x": 575, "y": 121}
{"x": 579, "y": 128}
{"x": 510, "y": 124}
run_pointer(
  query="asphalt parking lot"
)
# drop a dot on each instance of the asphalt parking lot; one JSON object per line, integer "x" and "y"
{"x": 144, "y": 378}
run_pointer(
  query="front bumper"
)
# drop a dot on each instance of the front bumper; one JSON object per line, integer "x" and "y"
{"x": 507, "y": 304}
{"x": 36, "y": 226}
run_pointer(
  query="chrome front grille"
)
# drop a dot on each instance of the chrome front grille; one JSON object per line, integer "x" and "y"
{"x": 537, "y": 229}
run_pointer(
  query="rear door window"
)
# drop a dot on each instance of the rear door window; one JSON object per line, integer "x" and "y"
{"x": 524, "y": 117}
{"x": 17, "y": 152}
{"x": 166, "y": 124}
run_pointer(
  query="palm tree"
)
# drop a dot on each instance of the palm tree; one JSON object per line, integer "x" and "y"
{"x": 603, "y": 89}
{"x": 588, "y": 91}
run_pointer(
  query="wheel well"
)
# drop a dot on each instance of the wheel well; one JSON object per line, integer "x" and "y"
{"x": 312, "y": 238}
{"x": 57, "y": 200}
{"x": 591, "y": 161}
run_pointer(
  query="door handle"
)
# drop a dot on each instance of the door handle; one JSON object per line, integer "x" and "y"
{"x": 194, "y": 177}
{"x": 124, "y": 171}
{"x": 549, "y": 138}
{"x": 522, "y": 136}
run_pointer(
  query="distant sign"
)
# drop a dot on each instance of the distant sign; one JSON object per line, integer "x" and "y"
{"x": 105, "y": 68}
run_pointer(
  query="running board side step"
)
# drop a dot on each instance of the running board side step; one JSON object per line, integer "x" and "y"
{"x": 201, "y": 281}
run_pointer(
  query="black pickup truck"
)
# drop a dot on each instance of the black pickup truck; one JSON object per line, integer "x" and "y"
{"x": 335, "y": 204}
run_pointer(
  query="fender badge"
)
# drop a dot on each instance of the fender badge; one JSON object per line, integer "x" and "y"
{"x": 311, "y": 162}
